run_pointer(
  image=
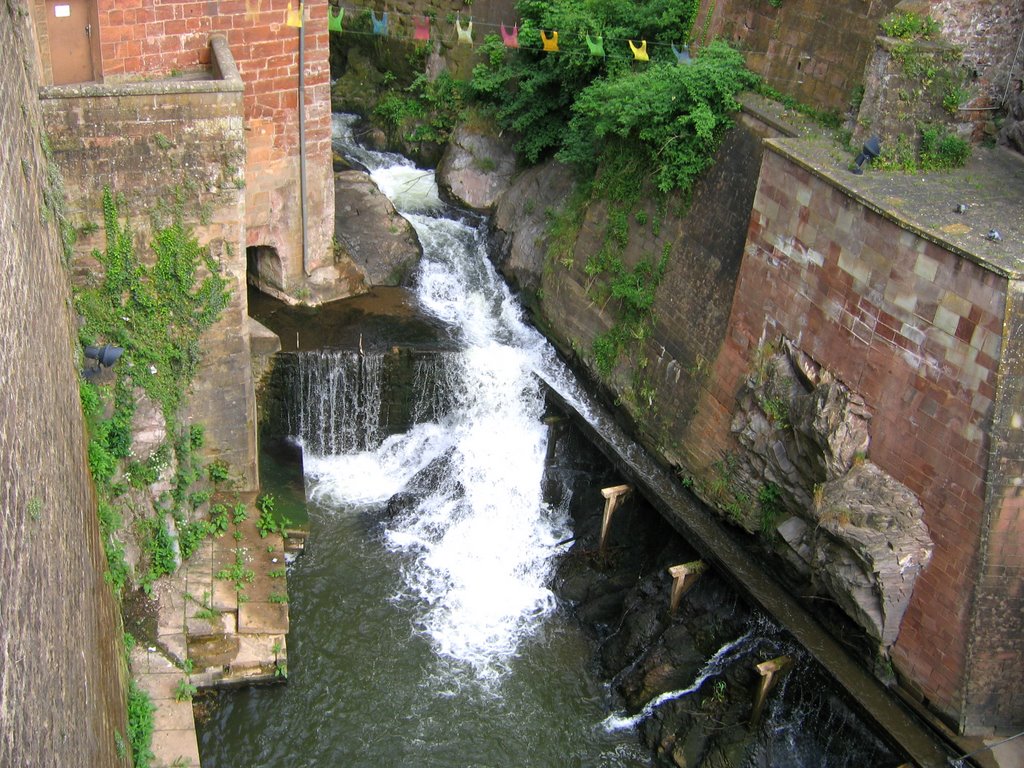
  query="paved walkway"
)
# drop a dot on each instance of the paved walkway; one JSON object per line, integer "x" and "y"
{"x": 225, "y": 613}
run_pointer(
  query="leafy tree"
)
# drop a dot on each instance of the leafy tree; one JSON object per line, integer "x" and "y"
{"x": 675, "y": 116}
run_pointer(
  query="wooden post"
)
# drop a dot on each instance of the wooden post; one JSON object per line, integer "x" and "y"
{"x": 684, "y": 577}
{"x": 771, "y": 672}
{"x": 613, "y": 497}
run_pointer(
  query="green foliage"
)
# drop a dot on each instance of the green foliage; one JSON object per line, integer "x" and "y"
{"x": 634, "y": 290}
{"x": 777, "y": 410}
{"x": 238, "y": 572}
{"x": 674, "y": 117}
{"x": 941, "y": 149}
{"x": 910, "y": 26}
{"x": 239, "y": 514}
{"x": 426, "y": 110}
{"x": 191, "y": 535}
{"x": 532, "y": 93}
{"x": 769, "y": 499}
{"x": 184, "y": 690}
{"x": 219, "y": 519}
{"x": 265, "y": 503}
{"x": 830, "y": 119}
{"x": 140, "y": 725}
{"x": 159, "y": 547}
{"x": 897, "y": 156}
{"x": 117, "y": 565}
{"x": 218, "y": 471}
{"x": 157, "y": 313}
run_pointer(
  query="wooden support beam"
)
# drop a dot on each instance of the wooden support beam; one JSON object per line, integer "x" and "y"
{"x": 771, "y": 672}
{"x": 613, "y": 496}
{"x": 684, "y": 577}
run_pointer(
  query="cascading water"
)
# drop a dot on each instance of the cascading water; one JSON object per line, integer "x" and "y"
{"x": 483, "y": 539}
{"x": 338, "y": 404}
{"x": 444, "y": 644}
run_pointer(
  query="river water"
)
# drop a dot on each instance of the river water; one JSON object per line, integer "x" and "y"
{"x": 428, "y": 635}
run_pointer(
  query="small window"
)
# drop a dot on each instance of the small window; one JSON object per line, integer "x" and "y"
{"x": 62, "y": 11}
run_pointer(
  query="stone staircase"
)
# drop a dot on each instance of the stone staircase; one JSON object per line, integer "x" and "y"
{"x": 224, "y": 618}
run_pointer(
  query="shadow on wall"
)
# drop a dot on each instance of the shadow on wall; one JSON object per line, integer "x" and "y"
{"x": 264, "y": 269}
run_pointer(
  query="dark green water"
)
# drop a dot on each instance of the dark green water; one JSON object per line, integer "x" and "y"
{"x": 365, "y": 689}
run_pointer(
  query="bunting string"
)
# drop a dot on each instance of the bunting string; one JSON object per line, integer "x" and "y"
{"x": 423, "y": 28}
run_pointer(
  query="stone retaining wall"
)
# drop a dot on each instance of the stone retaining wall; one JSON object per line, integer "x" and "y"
{"x": 62, "y": 699}
{"x": 171, "y": 40}
{"x": 153, "y": 143}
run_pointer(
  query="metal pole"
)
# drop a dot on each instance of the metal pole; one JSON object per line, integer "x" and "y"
{"x": 302, "y": 137}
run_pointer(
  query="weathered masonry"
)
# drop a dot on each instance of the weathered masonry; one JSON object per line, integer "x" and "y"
{"x": 61, "y": 688}
{"x": 115, "y": 43}
{"x": 910, "y": 320}
{"x": 928, "y": 331}
{"x": 161, "y": 145}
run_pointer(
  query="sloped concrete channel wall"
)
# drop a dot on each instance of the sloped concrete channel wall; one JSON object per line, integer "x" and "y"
{"x": 61, "y": 691}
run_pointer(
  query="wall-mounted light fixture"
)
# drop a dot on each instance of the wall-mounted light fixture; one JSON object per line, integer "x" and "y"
{"x": 872, "y": 149}
{"x": 104, "y": 356}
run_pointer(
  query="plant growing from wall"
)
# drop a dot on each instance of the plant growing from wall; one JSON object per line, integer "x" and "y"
{"x": 157, "y": 314}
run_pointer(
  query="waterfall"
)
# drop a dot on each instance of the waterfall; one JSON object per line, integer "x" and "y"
{"x": 336, "y": 401}
{"x": 723, "y": 657}
{"x": 478, "y": 541}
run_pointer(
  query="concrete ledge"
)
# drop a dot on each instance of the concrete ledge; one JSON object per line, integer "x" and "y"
{"x": 991, "y": 185}
{"x": 224, "y": 71}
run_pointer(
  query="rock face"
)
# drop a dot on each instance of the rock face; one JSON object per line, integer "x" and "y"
{"x": 521, "y": 219}
{"x": 868, "y": 547}
{"x": 1011, "y": 134}
{"x": 358, "y": 89}
{"x": 476, "y": 167}
{"x": 853, "y": 533}
{"x": 369, "y": 231}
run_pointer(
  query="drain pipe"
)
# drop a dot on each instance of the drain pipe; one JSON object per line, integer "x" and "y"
{"x": 302, "y": 139}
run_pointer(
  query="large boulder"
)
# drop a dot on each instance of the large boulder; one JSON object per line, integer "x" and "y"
{"x": 521, "y": 219}
{"x": 477, "y": 166}
{"x": 868, "y": 547}
{"x": 370, "y": 232}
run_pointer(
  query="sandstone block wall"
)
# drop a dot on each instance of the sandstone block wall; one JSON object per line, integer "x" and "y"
{"x": 917, "y": 330}
{"x": 691, "y": 308}
{"x": 61, "y": 686}
{"x": 993, "y": 694}
{"x": 170, "y": 39}
{"x": 152, "y": 143}
{"x": 812, "y": 51}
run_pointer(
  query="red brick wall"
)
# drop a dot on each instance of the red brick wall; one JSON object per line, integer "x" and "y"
{"x": 913, "y": 328}
{"x": 157, "y": 38}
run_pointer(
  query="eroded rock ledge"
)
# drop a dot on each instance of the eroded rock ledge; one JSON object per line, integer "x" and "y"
{"x": 849, "y": 530}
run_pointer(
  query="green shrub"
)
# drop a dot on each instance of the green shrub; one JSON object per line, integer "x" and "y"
{"x": 941, "y": 149}
{"x": 140, "y": 725}
{"x": 218, "y": 471}
{"x": 910, "y": 26}
{"x": 191, "y": 535}
{"x": 219, "y": 519}
{"x": 532, "y": 93}
{"x": 672, "y": 117}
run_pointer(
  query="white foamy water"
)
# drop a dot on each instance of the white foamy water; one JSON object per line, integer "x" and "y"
{"x": 374, "y": 476}
{"x": 480, "y": 541}
{"x": 722, "y": 658}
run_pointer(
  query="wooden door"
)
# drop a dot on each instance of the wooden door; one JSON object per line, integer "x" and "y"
{"x": 69, "y": 24}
